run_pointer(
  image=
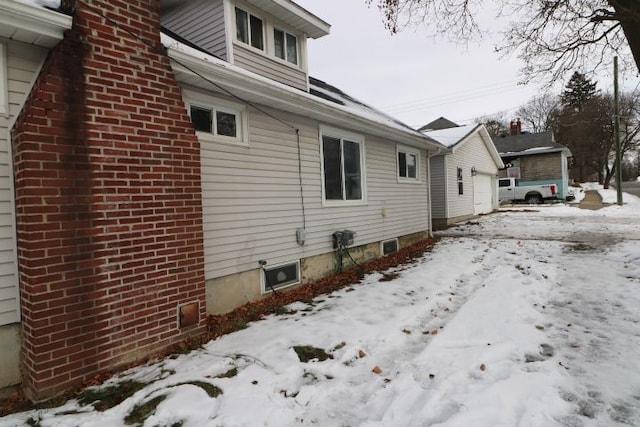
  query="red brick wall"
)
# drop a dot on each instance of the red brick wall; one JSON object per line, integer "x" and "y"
{"x": 108, "y": 201}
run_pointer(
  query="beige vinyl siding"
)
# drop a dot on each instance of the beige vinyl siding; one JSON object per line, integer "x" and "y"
{"x": 261, "y": 64}
{"x": 438, "y": 187}
{"x": 252, "y": 205}
{"x": 202, "y": 23}
{"x": 541, "y": 167}
{"x": 472, "y": 153}
{"x": 23, "y": 63}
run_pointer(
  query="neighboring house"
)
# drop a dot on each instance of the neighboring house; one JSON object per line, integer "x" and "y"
{"x": 534, "y": 158}
{"x": 163, "y": 177}
{"x": 463, "y": 178}
{"x": 438, "y": 124}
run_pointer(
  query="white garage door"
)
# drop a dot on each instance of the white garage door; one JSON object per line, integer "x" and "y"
{"x": 482, "y": 194}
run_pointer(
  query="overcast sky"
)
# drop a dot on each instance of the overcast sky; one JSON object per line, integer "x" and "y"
{"x": 410, "y": 75}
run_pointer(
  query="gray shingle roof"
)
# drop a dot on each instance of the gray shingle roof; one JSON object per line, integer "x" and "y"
{"x": 437, "y": 124}
{"x": 527, "y": 143}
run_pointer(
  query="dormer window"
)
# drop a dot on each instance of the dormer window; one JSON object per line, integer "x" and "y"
{"x": 249, "y": 29}
{"x": 285, "y": 46}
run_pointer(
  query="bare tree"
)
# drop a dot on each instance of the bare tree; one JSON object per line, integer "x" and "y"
{"x": 538, "y": 113}
{"x": 552, "y": 37}
{"x": 496, "y": 124}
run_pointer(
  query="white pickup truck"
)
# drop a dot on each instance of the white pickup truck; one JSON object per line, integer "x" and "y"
{"x": 509, "y": 189}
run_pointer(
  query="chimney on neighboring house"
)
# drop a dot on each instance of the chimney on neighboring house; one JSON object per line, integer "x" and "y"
{"x": 515, "y": 127}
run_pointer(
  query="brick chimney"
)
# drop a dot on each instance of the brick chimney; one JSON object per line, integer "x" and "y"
{"x": 515, "y": 127}
{"x": 108, "y": 202}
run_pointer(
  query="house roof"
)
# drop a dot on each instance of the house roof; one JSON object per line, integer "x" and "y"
{"x": 455, "y": 137}
{"x": 437, "y": 124}
{"x": 449, "y": 137}
{"x": 527, "y": 144}
{"x": 197, "y": 68}
{"x": 33, "y": 21}
{"x": 331, "y": 93}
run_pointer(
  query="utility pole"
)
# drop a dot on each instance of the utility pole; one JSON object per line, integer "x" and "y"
{"x": 617, "y": 131}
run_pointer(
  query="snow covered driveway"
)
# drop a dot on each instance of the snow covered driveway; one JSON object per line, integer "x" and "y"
{"x": 516, "y": 319}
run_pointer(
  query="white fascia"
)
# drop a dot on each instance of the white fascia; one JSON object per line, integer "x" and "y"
{"x": 19, "y": 16}
{"x": 255, "y": 88}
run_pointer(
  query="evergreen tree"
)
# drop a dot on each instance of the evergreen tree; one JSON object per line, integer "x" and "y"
{"x": 578, "y": 91}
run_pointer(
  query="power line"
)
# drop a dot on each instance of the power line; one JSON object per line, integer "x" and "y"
{"x": 462, "y": 94}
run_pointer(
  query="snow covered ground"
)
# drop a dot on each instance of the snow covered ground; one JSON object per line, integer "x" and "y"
{"x": 527, "y": 317}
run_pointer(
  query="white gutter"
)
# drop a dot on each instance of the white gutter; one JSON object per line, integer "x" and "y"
{"x": 268, "y": 92}
{"x": 23, "y": 17}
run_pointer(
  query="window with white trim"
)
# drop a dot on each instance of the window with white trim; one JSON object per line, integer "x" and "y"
{"x": 4, "y": 107}
{"x": 216, "y": 119}
{"x": 342, "y": 166}
{"x": 408, "y": 164}
{"x": 285, "y": 46}
{"x": 460, "y": 181}
{"x": 249, "y": 29}
{"x": 280, "y": 276}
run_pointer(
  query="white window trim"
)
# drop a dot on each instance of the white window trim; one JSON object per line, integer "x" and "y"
{"x": 272, "y": 43}
{"x": 4, "y": 84}
{"x": 265, "y": 32}
{"x": 263, "y": 277}
{"x": 269, "y": 43}
{"x": 342, "y": 134}
{"x": 416, "y": 152}
{"x": 206, "y": 101}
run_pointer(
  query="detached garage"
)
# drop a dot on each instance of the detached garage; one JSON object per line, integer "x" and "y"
{"x": 463, "y": 178}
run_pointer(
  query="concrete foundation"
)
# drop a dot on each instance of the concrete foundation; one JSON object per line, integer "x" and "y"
{"x": 223, "y": 294}
{"x": 10, "y": 343}
{"x": 410, "y": 239}
{"x": 442, "y": 223}
{"x": 226, "y": 293}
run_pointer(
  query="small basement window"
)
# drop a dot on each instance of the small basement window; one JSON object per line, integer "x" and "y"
{"x": 389, "y": 246}
{"x": 281, "y": 276}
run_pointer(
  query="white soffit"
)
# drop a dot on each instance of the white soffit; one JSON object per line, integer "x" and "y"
{"x": 32, "y": 24}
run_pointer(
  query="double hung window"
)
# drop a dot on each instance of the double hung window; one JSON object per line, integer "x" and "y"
{"x": 408, "y": 164}
{"x": 249, "y": 29}
{"x": 285, "y": 46}
{"x": 343, "y": 167}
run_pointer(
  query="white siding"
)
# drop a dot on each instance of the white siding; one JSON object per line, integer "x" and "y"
{"x": 267, "y": 67}
{"x": 202, "y": 23}
{"x": 23, "y": 63}
{"x": 438, "y": 179}
{"x": 252, "y": 203}
{"x": 472, "y": 153}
